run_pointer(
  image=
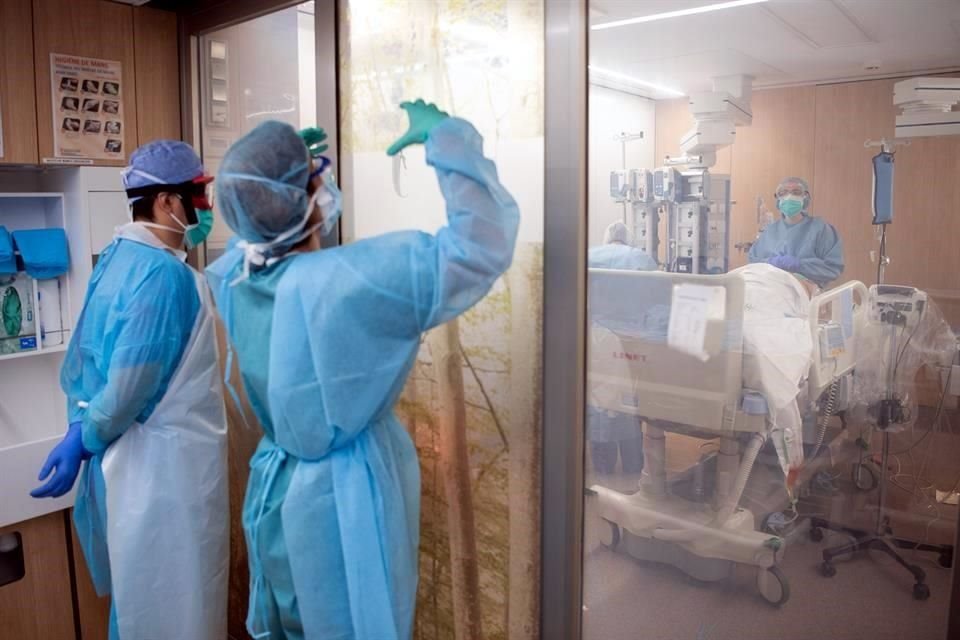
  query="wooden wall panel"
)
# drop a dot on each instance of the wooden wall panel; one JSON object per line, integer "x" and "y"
{"x": 91, "y": 28}
{"x": 18, "y": 100}
{"x": 94, "y": 611}
{"x": 157, "y": 68}
{"x": 922, "y": 239}
{"x": 39, "y": 606}
{"x": 847, "y": 115}
{"x": 779, "y": 143}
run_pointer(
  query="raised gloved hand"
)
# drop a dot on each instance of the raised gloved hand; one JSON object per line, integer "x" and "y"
{"x": 313, "y": 137}
{"x": 65, "y": 458}
{"x": 423, "y": 118}
{"x": 785, "y": 262}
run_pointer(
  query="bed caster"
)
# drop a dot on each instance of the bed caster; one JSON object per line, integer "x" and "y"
{"x": 921, "y": 591}
{"x": 773, "y": 586}
{"x": 609, "y": 535}
{"x": 827, "y": 570}
{"x": 946, "y": 559}
{"x": 816, "y": 534}
{"x": 864, "y": 478}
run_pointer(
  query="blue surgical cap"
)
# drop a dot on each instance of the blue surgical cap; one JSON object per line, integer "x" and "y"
{"x": 162, "y": 162}
{"x": 262, "y": 182}
{"x": 617, "y": 232}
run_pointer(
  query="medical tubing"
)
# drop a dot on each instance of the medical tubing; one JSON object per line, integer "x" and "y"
{"x": 746, "y": 466}
{"x": 823, "y": 420}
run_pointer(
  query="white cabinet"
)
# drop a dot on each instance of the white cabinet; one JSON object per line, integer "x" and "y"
{"x": 88, "y": 203}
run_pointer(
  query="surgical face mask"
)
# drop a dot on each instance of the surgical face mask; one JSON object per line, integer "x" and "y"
{"x": 194, "y": 234}
{"x": 790, "y": 205}
{"x": 330, "y": 201}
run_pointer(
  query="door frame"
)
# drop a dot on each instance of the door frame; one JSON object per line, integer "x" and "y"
{"x": 213, "y": 15}
{"x": 564, "y": 317}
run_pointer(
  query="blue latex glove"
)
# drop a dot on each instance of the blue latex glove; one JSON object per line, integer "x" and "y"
{"x": 423, "y": 118}
{"x": 785, "y": 262}
{"x": 66, "y": 458}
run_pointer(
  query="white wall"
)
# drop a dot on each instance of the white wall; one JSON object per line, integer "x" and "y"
{"x": 612, "y": 113}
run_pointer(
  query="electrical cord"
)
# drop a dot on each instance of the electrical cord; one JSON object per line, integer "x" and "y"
{"x": 936, "y": 418}
{"x": 883, "y": 248}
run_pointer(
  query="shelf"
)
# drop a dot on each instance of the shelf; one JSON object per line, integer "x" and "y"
{"x": 60, "y": 348}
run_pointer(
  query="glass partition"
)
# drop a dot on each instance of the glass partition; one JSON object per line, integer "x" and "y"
{"x": 483, "y": 62}
{"x": 773, "y": 304}
{"x": 257, "y": 70}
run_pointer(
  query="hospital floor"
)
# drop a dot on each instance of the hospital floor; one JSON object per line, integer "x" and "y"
{"x": 869, "y": 598}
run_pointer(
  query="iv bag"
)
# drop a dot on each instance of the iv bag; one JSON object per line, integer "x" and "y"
{"x": 883, "y": 188}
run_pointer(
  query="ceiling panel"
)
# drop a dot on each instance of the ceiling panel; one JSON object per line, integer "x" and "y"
{"x": 779, "y": 42}
{"x": 823, "y": 22}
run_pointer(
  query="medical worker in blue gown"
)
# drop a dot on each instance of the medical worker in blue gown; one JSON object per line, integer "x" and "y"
{"x": 616, "y": 252}
{"x": 799, "y": 243}
{"x": 145, "y": 408}
{"x": 612, "y": 434}
{"x": 325, "y": 340}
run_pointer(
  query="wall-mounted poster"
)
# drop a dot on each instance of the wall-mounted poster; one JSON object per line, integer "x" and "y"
{"x": 87, "y": 109}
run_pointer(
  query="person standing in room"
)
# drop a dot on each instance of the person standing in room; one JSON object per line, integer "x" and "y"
{"x": 798, "y": 242}
{"x": 145, "y": 411}
{"x": 325, "y": 340}
{"x": 612, "y": 434}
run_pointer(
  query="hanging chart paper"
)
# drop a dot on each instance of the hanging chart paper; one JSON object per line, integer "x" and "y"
{"x": 692, "y": 305}
{"x": 88, "y": 110}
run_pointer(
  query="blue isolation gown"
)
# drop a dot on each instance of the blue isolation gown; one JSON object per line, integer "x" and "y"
{"x": 812, "y": 240}
{"x": 140, "y": 309}
{"x": 325, "y": 342}
{"x": 620, "y": 256}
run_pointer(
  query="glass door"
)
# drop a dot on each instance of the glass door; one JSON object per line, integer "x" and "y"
{"x": 770, "y": 435}
{"x": 257, "y": 70}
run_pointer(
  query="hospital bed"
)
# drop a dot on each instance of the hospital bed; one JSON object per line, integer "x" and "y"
{"x": 634, "y": 370}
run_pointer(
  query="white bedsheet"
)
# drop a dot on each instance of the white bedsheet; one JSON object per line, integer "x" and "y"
{"x": 777, "y": 348}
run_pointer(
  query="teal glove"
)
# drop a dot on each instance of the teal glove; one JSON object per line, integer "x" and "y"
{"x": 423, "y": 118}
{"x": 313, "y": 137}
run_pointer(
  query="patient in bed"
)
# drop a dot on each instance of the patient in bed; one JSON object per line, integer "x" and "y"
{"x": 777, "y": 348}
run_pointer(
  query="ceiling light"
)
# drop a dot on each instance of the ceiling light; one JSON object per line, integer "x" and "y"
{"x": 676, "y": 14}
{"x": 613, "y": 75}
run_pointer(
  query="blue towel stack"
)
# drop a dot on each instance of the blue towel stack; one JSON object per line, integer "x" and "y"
{"x": 8, "y": 261}
{"x": 44, "y": 252}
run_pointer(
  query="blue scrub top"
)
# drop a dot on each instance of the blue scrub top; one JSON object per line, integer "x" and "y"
{"x": 812, "y": 241}
{"x": 620, "y": 256}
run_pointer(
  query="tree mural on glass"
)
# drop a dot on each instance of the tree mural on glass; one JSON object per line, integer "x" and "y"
{"x": 473, "y": 400}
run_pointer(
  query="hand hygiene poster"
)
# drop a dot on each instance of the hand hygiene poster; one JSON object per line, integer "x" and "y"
{"x": 87, "y": 109}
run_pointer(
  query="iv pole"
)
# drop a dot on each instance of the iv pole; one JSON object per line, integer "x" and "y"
{"x": 624, "y": 138}
{"x": 888, "y": 412}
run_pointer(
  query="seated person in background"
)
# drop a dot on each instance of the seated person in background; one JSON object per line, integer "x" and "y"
{"x": 616, "y": 252}
{"x": 609, "y": 431}
{"x": 798, "y": 243}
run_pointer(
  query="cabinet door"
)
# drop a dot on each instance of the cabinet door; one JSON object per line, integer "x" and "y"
{"x": 18, "y": 102}
{"x": 94, "y": 611}
{"x": 92, "y": 29}
{"x": 39, "y": 605}
{"x": 158, "y": 72}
